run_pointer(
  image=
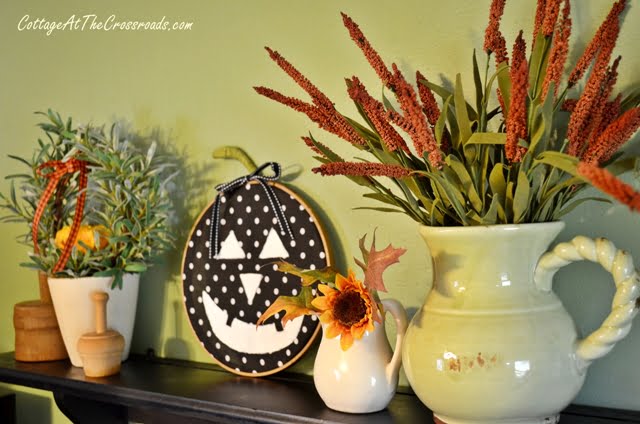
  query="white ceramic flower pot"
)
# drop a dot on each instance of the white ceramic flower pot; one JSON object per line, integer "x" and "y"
{"x": 363, "y": 378}
{"x": 75, "y": 310}
{"x": 492, "y": 343}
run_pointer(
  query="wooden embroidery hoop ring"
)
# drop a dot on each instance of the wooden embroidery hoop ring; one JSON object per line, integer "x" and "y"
{"x": 233, "y": 152}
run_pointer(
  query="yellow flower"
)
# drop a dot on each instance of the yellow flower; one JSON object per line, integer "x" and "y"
{"x": 86, "y": 235}
{"x": 348, "y": 311}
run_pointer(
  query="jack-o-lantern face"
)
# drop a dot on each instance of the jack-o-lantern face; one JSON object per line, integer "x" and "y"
{"x": 225, "y": 293}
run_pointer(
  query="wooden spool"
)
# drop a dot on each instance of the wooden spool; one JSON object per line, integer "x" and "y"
{"x": 101, "y": 351}
{"x": 37, "y": 335}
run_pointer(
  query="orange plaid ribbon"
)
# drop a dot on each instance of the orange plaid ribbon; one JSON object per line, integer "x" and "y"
{"x": 59, "y": 170}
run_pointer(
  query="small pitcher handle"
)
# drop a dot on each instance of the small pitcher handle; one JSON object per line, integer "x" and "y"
{"x": 625, "y": 301}
{"x": 400, "y": 316}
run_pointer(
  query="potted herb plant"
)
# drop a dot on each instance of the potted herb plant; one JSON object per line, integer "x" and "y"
{"x": 113, "y": 220}
{"x": 488, "y": 180}
{"x": 39, "y": 339}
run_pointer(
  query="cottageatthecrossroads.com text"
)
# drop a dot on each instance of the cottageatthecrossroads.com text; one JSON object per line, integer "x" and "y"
{"x": 93, "y": 22}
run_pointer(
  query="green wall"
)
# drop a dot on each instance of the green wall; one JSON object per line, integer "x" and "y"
{"x": 193, "y": 91}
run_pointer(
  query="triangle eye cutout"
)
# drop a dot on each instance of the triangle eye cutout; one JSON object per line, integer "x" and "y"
{"x": 273, "y": 247}
{"x": 230, "y": 248}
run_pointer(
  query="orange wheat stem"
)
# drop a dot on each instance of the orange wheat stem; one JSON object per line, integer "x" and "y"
{"x": 370, "y": 53}
{"x": 429, "y": 104}
{"x": 614, "y": 136}
{"x": 377, "y": 114}
{"x": 558, "y": 53}
{"x": 362, "y": 169}
{"x": 517, "y": 119}
{"x": 608, "y": 183}
{"x": 551, "y": 11}
{"x": 494, "y": 41}
{"x": 599, "y": 40}
{"x": 599, "y": 82}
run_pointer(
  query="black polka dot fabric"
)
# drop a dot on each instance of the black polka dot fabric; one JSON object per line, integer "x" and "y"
{"x": 225, "y": 294}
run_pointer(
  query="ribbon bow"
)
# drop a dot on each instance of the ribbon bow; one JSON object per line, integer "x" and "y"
{"x": 231, "y": 186}
{"x": 59, "y": 170}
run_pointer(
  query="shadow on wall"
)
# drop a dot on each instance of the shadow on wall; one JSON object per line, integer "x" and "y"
{"x": 188, "y": 190}
{"x": 33, "y": 409}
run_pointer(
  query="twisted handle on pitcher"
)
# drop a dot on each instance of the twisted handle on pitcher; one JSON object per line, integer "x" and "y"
{"x": 400, "y": 316}
{"x": 625, "y": 303}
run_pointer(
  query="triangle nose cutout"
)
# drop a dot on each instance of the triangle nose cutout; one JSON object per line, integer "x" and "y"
{"x": 250, "y": 282}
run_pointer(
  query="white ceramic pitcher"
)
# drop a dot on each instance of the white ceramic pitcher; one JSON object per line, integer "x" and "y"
{"x": 492, "y": 343}
{"x": 363, "y": 378}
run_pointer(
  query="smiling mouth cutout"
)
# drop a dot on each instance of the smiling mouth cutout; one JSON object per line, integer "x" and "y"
{"x": 246, "y": 337}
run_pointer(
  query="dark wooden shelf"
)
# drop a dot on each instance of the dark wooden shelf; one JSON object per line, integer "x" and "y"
{"x": 157, "y": 390}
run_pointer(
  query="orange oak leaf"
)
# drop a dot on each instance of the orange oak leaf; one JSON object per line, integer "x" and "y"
{"x": 294, "y": 307}
{"x": 376, "y": 262}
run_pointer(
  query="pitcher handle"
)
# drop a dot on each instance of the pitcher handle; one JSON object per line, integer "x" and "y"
{"x": 626, "y": 300}
{"x": 400, "y": 316}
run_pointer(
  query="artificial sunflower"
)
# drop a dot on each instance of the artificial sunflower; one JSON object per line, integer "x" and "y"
{"x": 348, "y": 307}
{"x": 348, "y": 310}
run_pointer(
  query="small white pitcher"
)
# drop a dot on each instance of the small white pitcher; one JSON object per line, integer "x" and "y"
{"x": 363, "y": 378}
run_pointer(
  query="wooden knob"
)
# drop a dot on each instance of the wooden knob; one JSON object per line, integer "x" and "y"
{"x": 100, "y": 299}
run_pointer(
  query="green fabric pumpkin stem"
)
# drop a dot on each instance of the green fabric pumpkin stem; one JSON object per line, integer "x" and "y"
{"x": 236, "y": 153}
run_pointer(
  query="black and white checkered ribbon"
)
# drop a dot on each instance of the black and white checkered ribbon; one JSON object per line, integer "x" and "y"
{"x": 231, "y": 186}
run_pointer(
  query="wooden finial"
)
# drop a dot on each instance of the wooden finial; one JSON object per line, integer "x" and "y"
{"x": 101, "y": 350}
{"x": 100, "y": 299}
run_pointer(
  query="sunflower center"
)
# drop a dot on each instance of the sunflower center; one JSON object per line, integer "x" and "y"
{"x": 349, "y": 308}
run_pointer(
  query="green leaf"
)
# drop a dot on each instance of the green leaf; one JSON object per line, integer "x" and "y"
{"x": 150, "y": 153}
{"x": 538, "y": 63}
{"x": 491, "y": 217}
{"x": 466, "y": 181}
{"x": 294, "y": 307}
{"x": 562, "y": 161}
{"x": 106, "y": 273}
{"x": 521, "y": 198}
{"x": 461, "y": 111}
{"x": 364, "y": 131}
{"x": 436, "y": 218}
{"x": 542, "y": 124}
{"x": 497, "y": 181}
{"x": 477, "y": 80}
{"x": 19, "y": 159}
{"x": 571, "y": 206}
{"x": 537, "y": 180}
{"x": 378, "y": 209}
{"x": 452, "y": 194}
{"x": 442, "y": 120}
{"x": 487, "y": 138}
{"x": 631, "y": 100}
{"x": 135, "y": 267}
{"x": 444, "y": 94}
{"x": 508, "y": 204}
{"x": 416, "y": 189}
{"x": 325, "y": 275}
{"x": 504, "y": 83}
{"x": 387, "y": 104}
{"x": 381, "y": 198}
